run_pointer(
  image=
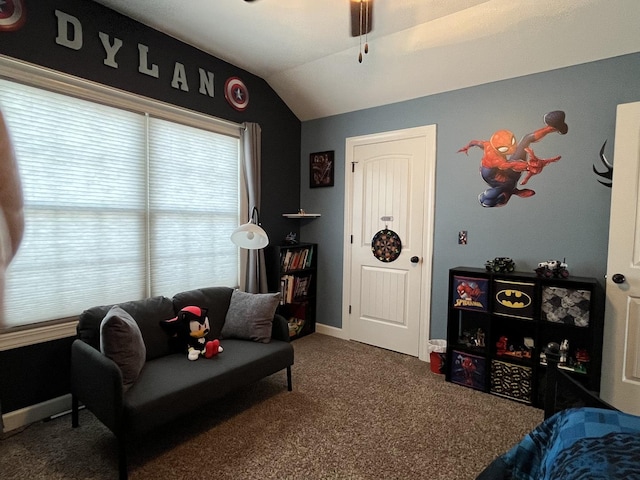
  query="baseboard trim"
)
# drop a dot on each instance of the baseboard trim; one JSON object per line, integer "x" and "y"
{"x": 35, "y": 413}
{"x": 340, "y": 333}
{"x": 331, "y": 331}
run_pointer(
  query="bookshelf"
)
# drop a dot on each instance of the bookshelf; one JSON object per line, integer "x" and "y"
{"x": 499, "y": 324}
{"x": 293, "y": 272}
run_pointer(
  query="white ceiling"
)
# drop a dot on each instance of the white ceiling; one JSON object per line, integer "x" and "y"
{"x": 304, "y": 50}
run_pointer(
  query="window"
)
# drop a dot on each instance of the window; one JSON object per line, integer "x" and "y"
{"x": 120, "y": 204}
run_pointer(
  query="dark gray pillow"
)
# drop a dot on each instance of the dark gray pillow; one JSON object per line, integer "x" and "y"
{"x": 250, "y": 316}
{"x": 121, "y": 341}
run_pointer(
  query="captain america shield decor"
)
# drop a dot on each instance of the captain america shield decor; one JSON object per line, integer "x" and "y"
{"x": 236, "y": 93}
{"x": 12, "y": 15}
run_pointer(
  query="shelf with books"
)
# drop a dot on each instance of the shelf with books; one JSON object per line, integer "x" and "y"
{"x": 292, "y": 259}
{"x": 293, "y": 272}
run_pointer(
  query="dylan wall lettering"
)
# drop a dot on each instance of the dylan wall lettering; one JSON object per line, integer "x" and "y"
{"x": 70, "y": 35}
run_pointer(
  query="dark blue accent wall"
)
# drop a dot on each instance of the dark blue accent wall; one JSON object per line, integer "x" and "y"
{"x": 34, "y": 374}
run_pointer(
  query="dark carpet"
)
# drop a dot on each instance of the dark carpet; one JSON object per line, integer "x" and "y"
{"x": 356, "y": 412}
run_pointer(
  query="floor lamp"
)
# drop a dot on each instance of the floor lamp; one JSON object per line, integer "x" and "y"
{"x": 250, "y": 235}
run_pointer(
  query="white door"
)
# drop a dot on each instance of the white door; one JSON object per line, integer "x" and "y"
{"x": 621, "y": 349}
{"x": 390, "y": 176}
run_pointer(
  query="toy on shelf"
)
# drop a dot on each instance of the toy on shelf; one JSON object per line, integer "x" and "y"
{"x": 564, "y": 350}
{"x": 552, "y": 268}
{"x": 473, "y": 338}
{"x": 500, "y": 265}
{"x": 290, "y": 239}
{"x": 503, "y": 348}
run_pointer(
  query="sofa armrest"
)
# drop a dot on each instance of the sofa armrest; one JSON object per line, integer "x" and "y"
{"x": 96, "y": 381}
{"x": 280, "y": 329}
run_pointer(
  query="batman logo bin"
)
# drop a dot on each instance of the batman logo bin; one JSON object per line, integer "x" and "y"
{"x": 437, "y": 355}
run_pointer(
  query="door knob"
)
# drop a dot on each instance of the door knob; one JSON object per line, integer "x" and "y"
{"x": 415, "y": 259}
{"x": 618, "y": 278}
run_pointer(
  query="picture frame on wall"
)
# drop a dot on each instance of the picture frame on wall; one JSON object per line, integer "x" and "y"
{"x": 321, "y": 169}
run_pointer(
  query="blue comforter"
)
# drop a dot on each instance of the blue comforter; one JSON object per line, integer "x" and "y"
{"x": 579, "y": 443}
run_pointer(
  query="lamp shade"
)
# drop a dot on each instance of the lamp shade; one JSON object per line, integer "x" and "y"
{"x": 250, "y": 236}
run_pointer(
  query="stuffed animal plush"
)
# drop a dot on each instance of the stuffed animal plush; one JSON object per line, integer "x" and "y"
{"x": 188, "y": 329}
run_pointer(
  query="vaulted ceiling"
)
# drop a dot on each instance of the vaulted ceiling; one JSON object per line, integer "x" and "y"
{"x": 304, "y": 49}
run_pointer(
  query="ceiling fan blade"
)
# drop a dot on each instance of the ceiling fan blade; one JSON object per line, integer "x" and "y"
{"x": 364, "y": 8}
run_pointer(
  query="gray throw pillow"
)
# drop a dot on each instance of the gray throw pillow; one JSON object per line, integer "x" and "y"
{"x": 250, "y": 316}
{"x": 121, "y": 341}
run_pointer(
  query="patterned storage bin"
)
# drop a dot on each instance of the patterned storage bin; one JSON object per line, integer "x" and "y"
{"x": 566, "y": 305}
{"x": 511, "y": 381}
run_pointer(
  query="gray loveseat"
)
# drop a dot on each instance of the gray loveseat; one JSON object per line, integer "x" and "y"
{"x": 168, "y": 385}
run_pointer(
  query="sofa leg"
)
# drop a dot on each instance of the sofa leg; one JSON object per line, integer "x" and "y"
{"x": 74, "y": 412}
{"x": 289, "y": 386}
{"x": 122, "y": 460}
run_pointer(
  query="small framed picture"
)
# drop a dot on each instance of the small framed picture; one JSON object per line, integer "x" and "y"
{"x": 321, "y": 169}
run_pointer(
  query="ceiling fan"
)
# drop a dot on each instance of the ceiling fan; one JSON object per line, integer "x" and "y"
{"x": 361, "y": 16}
{"x": 361, "y": 21}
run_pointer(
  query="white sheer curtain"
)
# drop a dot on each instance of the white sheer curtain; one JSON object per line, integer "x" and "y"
{"x": 255, "y": 276}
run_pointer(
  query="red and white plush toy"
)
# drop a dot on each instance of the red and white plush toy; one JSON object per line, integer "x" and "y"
{"x": 190, "y": 328}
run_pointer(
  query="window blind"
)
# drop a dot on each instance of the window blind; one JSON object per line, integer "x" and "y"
{"x": 193, "y": 205}
{"x": 107, "y": 215}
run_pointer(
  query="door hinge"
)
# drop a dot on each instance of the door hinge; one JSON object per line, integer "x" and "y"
{"x": 353, "y": 166}
{"x": 351, "y": 240}
{"x": 349, "y": 309}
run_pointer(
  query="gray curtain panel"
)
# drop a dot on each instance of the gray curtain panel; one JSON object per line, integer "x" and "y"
{"x": 256, "y": 274}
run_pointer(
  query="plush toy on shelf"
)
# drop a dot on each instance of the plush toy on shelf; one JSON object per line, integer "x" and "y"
{"x": 189, "y": 329}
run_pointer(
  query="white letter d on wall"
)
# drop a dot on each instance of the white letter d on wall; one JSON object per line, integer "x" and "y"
{"x": 75, "y": 40}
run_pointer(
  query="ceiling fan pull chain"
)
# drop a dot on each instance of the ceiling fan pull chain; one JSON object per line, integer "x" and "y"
{"x": 366, "y": 31}
{"x": 360, "y": 25}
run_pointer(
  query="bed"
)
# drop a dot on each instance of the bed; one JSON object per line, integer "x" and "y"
{"x": 589, "y": 439}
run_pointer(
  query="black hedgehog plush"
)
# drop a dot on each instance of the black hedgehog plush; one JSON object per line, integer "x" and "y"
{"x": 189, "y": 329}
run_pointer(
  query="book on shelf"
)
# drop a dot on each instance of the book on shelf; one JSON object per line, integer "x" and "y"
{"x": 285, "y": 260}
{"x": 295, "y": 326}
{"x": 297, "y": 318}
{"x": 308, "y": 258}
{"x": 296, "y": 259}
{"x": 294, "y": 287}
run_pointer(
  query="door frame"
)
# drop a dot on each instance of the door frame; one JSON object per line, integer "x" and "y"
{"x": 429, "y": 133}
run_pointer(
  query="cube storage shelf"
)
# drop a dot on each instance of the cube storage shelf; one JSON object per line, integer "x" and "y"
{"x": 293, "y": 272}
{"x": 499, "y": 324}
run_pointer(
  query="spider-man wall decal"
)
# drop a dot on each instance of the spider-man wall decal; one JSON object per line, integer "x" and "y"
{"x": 505, "y": 160}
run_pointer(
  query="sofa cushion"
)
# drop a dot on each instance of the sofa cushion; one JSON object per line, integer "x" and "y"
{"x": 121, "y": 341}
{"x": 147, "y": 313}
{"x": 250, "y": 316}
{"x": 214, "y": 299}
{"x": 172, "y": 386}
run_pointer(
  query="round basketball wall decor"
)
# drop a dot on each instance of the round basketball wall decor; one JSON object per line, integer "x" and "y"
{"x": 386, "y": 245}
